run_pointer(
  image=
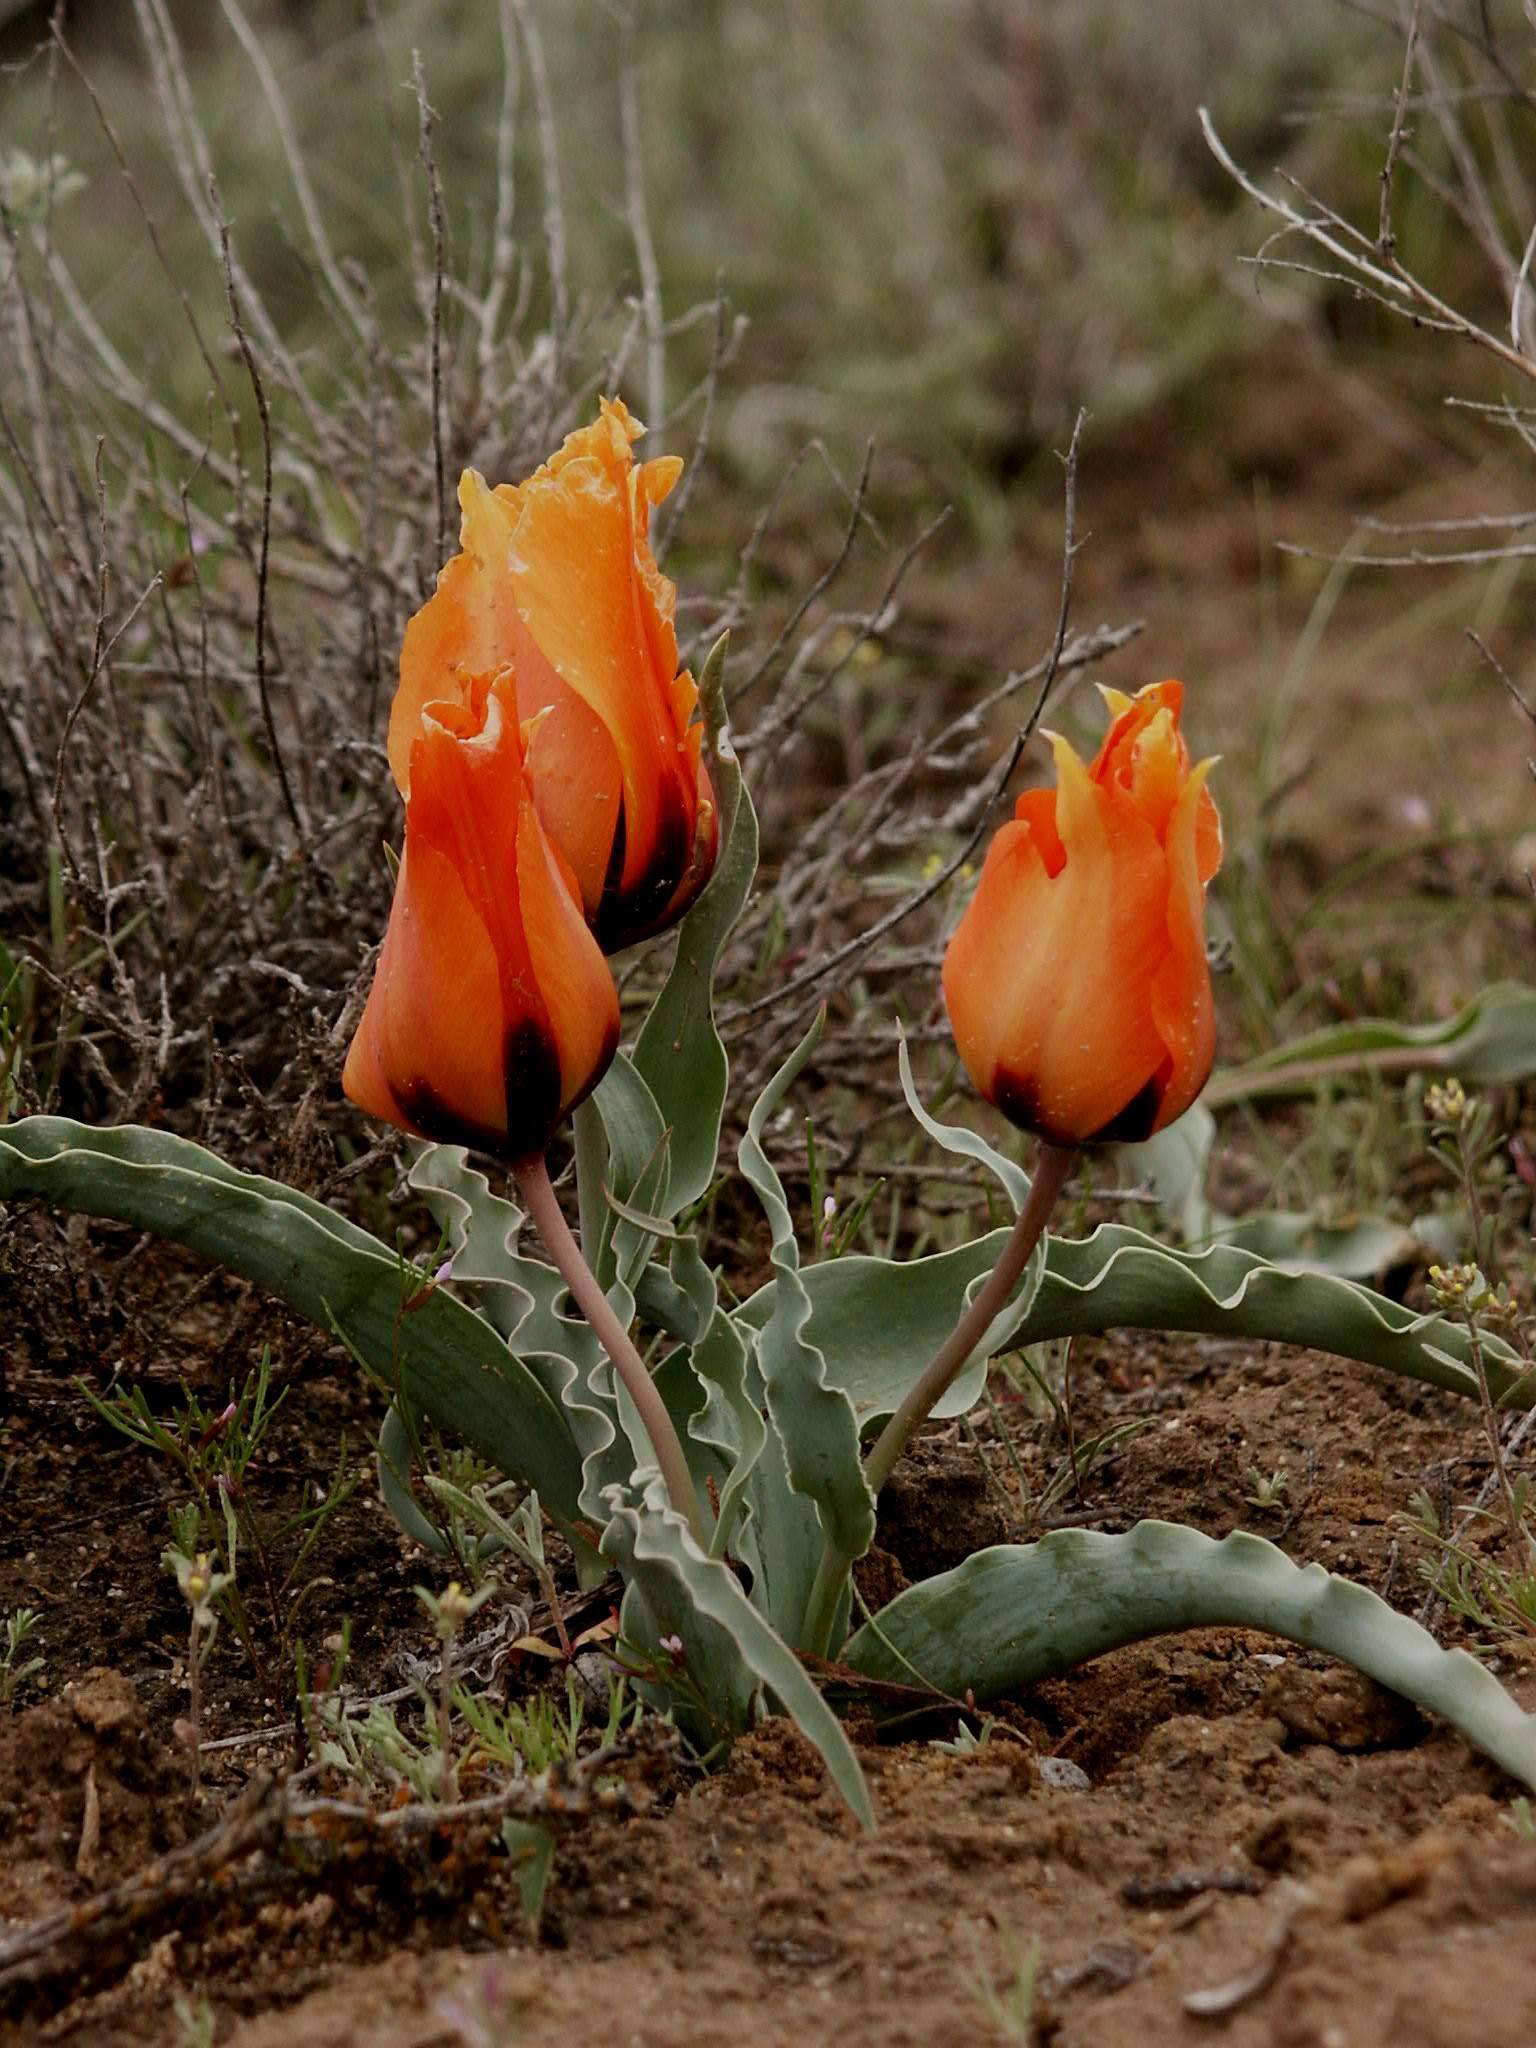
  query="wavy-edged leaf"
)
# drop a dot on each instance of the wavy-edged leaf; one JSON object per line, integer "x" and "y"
{"x": 1175, "y": 1163}
{"x": 877, "y": 1322}
{"x": 662, "y": 1302}
{"x": 956, "y": 1139}
{"x": 1121, "y": 1279}
{"x": 812, "y": 1416}
{"x": 482, "y": 1231}
{"x": 679, "y": 1051}
{"x": 1010, "y": 1616}
{"x": 1491, "y": 1041}
{"x": 730, "y": 1421}
{"x": 636, "y": 1173}
{"x": 450, "y": 1362}
{"x": 729, "y": 1648}
{"x": 528, "y": 1299}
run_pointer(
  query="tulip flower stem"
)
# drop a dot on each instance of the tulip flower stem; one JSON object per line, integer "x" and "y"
{"x": 1053, "y": 1165}
{"x": 532, "y": 1177}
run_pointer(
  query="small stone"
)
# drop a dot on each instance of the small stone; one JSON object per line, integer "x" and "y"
{"x": 594, "y": 1672}
{"x": 1062, "y": 1775}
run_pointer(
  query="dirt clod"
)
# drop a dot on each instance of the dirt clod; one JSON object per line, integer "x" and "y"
{"x": 936, "y": 1509}
{"x": 1338, "y": 1707}
{"x": 86, "y": 1794}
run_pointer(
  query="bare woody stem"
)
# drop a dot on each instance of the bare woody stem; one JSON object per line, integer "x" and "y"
{"x": 532, "y": 1177}
{"x": 1053, "y": 1165}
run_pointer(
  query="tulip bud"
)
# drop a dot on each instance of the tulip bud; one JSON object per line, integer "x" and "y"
{"x": 557, "y": 581}
{"x": 492, "y": 1011}
{"x": 1077, "y": 983}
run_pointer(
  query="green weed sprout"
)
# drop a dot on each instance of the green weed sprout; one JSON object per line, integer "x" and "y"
{"x": 19, "y": 1625}
{"x": 1009, "y": 2009}
{"x": 212, "y": 1451}
{"x": 450, "y": 1610}
{"x": 201, "y": 1586}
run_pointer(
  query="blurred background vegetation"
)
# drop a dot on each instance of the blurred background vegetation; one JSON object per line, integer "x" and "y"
{"x": 939, "y": 228}
{"x": 949, "y": 223}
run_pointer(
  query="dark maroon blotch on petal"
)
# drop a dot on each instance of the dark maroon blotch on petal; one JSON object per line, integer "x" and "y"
{"x": 623, "y": 919}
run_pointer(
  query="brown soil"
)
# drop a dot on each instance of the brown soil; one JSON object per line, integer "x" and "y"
{"x": 1237, "y": 1806}
{"x": 1235, "y": 1789}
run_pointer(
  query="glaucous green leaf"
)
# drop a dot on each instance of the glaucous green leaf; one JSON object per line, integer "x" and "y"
{"x": 1491, "y": 1041}
{"x": 728, "y": 1648}
{"x": 635, "y": 1170}
{"x": 1175, "y": 1162}
{"x": 730, "y": 1420}
{"x": 1010, "y": 1616}
{"x": 451, "y": 1363}
{"x": 679, "y": 1051}
{"x": 956, "y": 1139}
{"x": 1122, "y": 1279}
{"x": 482, "y": 1231}
{"x": 878, "y": 1322}
{"x": 812, "y": 1416}
{"x": 1361, "y": 1248}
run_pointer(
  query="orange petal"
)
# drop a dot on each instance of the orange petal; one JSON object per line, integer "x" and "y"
{"x": 464, "y": 628}
{"x": 651, "y": 483}
{"x": 1132, "y": 716}
{"x": 467, "y": 803}
{"x": 1182, "y": 1005}
{"x": 1077, "y": 982}
{"x": 1119, "y": 703}
{"x": 1036, "y": 808}
{"x": 1104, "y": 945}
{"x": 658, "y": 478}
{"x": 1153, "y": 770}
{"x": 492, "y": 1010}
{"x": 576, "y": 990}
{"x": 1048, "y": 977}
{"x": 1207, "y": 830}
{"x": 1009, "y": 894}
{"x": 433, "y": 1065}
{"x": 364, "y": 1075}
{"x": 556, "y": 578}
{"x": 607, "y": 439}
{"x": 574, "y": 768}
{"x": 585, "y": 602}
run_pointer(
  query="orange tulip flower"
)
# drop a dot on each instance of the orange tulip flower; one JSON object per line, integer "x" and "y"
{"x": 1077, "y": 983}
{"x": 492, "y": 1011}
{"x": 557, "y": 581}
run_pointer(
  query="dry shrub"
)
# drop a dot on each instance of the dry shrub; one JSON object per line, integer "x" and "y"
{"x": 200, "y": 606}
